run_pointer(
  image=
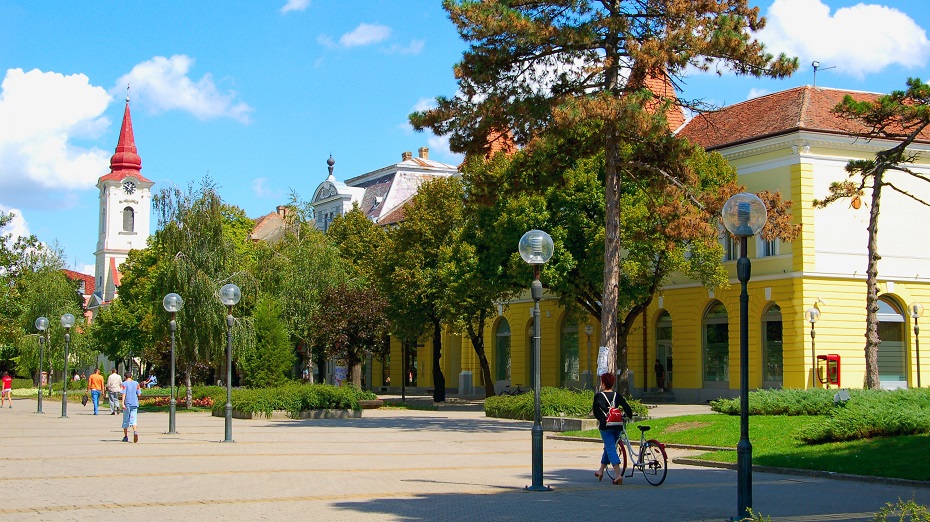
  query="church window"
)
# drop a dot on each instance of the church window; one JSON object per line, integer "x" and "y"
{"x": 129, "y": 219}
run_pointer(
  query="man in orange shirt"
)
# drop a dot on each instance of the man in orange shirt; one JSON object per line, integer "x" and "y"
{"x": 95, "y": 387}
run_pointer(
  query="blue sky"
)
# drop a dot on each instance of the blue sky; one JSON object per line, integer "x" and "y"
{"x": 258, "y": 94}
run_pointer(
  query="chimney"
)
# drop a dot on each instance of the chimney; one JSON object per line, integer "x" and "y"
{"x": 424, "y": 152}
{"x": 406, "y": 155}
{"x": 282, "y": 210}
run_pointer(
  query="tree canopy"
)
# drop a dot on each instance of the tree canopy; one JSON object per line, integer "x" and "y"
{"x": 532, "y": 66}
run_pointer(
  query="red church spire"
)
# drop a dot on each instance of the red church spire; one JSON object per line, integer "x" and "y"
{"x": 126, "y": 160}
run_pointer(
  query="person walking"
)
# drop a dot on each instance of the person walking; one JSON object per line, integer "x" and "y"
{"x": 603, "y": 401}
{"x": 129, "y": 401}
{"x": 7, "y": 390}
{"x": 114, "y": 384}
{"x": 95, "y": 388}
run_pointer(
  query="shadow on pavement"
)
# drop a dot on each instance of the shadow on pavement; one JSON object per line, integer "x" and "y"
{"x": 412, "y": 423}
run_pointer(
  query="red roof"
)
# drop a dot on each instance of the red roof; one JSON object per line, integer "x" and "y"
{"x": 802, "y": 108}
{"x": 77, "y": 276}
{"x": 115, "y": 272}
{"x": 126, "y": 160}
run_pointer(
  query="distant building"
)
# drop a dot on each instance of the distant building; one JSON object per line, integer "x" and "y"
{"x": 381, "y": 194}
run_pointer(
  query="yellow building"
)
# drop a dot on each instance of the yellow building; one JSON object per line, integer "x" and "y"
{"x": 787, "y": 141}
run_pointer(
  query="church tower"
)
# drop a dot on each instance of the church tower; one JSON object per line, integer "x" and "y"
{"x": 125, "y": 213}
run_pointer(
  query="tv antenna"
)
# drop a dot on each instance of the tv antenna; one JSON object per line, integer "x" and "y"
{"x": 816, "y": 65}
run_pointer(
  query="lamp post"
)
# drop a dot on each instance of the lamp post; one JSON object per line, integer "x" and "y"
{"x": 744, "y": 215}
{"x": 811, "y": 315}
{"x": 173, "y": 304}
{"x": 917, "y": 310}
{"x": 588, "y": 330}
{"x": 536, "y": 248}
{"x": 67, "y": 321}
{"x": 42, "y": 327}
{"x": 229, "y": 296}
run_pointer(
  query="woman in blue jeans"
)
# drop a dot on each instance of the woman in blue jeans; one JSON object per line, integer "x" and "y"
{"x": 603, "y": 401}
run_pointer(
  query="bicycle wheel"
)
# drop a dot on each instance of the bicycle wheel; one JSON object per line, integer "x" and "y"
{"x": 621, "y": 452}
{"x": 655, "y": 462}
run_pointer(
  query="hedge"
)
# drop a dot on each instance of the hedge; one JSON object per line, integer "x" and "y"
{"x": 554, "y": 402}
{"x": 292, "y": 398}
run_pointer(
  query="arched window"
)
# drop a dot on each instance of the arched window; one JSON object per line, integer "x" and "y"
{"x": 892, "y": 361}
{"x": 773, "y": 362}
{"x": 716, "y": 340}
{"x": 664, "y": 346}
{"x": 568, "y": 350}
{"x": 502, "y": 350}
{"x": 129, "y": 219}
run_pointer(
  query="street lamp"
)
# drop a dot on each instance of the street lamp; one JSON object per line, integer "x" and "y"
{"x": 173, "y": 304}
{"x": 744, "y": 216}
{"x": 67, "y": 321}
{"x": 229, "y": 296}
{"x": 536, "y": 248}
{"x": 588, "y": 329}
{"x": 42, "y": 327}
{"x": 917, "y": 310}
{"x": 811, "y": 315}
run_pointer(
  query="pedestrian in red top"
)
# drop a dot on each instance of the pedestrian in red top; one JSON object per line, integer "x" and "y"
{"x": 7, "y": 393}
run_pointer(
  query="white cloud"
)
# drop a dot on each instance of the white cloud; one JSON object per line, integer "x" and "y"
{"x": 365, "y": 34}
{"x": 261, "y": 190}
{"x": 755, "y": 93}
{"x": 414, "y": 47}
{"x": 439, "y": 146}
{"x": 42, "y": 113}
{"x": 17, "y": 227}
{"x": 162, "y": 84}
{"x": 295, "y": 5}
{"x": 424, "y": 104}
{"x": 858, "y": 40}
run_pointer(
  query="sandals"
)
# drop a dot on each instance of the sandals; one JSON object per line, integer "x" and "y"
{"x": 600, "y": 476}
{"x": 618, "y": 481}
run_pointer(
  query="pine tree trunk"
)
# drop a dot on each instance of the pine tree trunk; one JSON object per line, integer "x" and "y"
{"x": 611, "y": 293}
{"x": 871, "y": 281}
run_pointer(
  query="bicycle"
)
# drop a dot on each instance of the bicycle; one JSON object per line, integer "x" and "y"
{"x": 651, "y": 458}
{"x": 514, "y": 391}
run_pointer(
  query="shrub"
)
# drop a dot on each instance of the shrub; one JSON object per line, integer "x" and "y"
{"x": 814, "y": 401}
{"x": 292, "y": 398}
{"x": 909, "y": 510}
{"x": 874, "y": 413}
{"x": 23, "y": 383}
{"x": 554, "y": 402}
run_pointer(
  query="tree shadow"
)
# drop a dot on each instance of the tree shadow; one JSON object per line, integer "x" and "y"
{"x": 410, "y": 423}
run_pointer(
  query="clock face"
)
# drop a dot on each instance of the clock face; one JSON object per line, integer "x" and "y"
{"x": 129, "y": 187}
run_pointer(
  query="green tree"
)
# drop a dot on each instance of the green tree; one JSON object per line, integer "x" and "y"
{"x": 902, "y": 116}
{"x": 413, "y": 282}
{"x": 297, "y": 270}
{"x": 353, "y": 325}
{"x": 47, "y": 292}
{"x": 16, "y": 259}
{"x": 272, "y": 360}
{"x": 567, "y": 63}
{"x": 195, "y": 258}
{"x": 359, "y": 239}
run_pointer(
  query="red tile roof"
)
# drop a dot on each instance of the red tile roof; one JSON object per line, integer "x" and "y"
{"x": 802, "y": 108}
{"x": 77, "y": 276}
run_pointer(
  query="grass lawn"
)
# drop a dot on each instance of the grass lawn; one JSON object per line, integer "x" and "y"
{"x": 774, "y": 444}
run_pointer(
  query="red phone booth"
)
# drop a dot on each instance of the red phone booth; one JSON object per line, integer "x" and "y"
{"x": 828, "y": 369}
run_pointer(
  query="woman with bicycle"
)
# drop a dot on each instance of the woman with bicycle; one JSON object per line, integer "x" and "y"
{"x": 603, "y": 401}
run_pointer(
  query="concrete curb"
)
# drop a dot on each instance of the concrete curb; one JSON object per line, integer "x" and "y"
{"x": 808, "y": 473}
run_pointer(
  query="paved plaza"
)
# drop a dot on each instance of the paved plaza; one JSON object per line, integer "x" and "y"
{"x": 388, "y": 465}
